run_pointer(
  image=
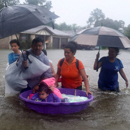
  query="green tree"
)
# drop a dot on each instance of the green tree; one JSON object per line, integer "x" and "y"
{"x": 110, "y": 23}
{"x": 35, "y": 2}
{"x": 122, "y": 23}
{"x": 127, "y": 31}
{"x": 3, "y": 3}
{"x": 46, "y": 4}
{"x": 74, "y": 27}
{"x": 64, "y": 27}
{"x": 95, "y": 16}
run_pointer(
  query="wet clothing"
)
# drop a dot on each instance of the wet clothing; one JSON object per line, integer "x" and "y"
{"x": 51, "y": 98}
{"x": 12, "y": 57}
{"x": 48, "y": 74}
{"x": 70, "y": 74}
{"x": 79, "y": 88}
{"x": 108, "y": 77}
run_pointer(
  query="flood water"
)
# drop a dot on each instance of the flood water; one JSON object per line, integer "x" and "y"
{"x": 108, "y": 111}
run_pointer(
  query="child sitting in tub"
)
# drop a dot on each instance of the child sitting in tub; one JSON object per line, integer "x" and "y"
{"x": 50, "y": 82}
{"x": 45, "y": 94}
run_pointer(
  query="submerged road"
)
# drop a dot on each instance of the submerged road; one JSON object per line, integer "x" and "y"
{"x": 108, "y": 111}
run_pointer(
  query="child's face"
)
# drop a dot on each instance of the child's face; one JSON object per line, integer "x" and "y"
{"x": 14, "y": 47}
{"x": 43, "y": 95}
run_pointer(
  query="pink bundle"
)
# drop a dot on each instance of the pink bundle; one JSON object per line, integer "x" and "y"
{"x": 51, "y": 82}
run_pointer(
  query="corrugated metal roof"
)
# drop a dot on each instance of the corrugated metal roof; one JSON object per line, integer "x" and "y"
{"x": 43, "y": 27}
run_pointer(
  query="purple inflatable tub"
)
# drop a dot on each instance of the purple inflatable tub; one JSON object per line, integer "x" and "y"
{"x": 57, "y": 108}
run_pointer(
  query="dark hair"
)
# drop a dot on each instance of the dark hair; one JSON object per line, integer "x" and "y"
{"x": 44, "y": 87}
{"x": 36, "y": 40}
{"x": 45, "y": 52}
{"x": 72, "y": 46}
{"x": 14, "y": 41}
{"x": 116, "y": 50}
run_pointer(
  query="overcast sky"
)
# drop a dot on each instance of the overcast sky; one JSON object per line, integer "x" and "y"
{"x": 78, "y": 11}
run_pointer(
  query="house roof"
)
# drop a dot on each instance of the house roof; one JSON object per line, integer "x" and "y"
{"x": 74, "y": 32}
{"x": 38, "y": 29}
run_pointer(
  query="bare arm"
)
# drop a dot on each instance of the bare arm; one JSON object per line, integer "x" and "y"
{"x": 52, "y": 69}
{"x": 97, "y": 64}
{"x": 57, "y": 76}
{"x": 83, "y": 74}
{"x": 123, "y": 76}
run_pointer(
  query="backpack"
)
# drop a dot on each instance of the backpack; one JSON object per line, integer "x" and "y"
{"x": 77, "y": 63}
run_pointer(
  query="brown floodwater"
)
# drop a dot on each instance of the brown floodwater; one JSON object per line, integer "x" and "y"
{"x": 108, "y": 111}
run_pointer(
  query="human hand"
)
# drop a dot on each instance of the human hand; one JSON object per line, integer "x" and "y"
{"x": 51, "y": 88}
{"x": 97, "y": 56}
{"x": 88, "y": 92}
{"x": 35, "y": 89}
{"x": 56, "y": 84}
{"x": 25, "y": 64}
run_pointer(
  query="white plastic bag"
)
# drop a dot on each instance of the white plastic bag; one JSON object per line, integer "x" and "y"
{"x": 36, "y": 68}
{"x": 9, "y": 91}
{"x": 16, "y": 77}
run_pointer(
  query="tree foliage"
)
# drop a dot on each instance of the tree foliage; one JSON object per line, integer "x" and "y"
{"x": 95, "y": 16}
{"x": 3, "y": 3}
{"x": 35, "y": 2}
{"x": 127, "y": 31}
{"x": 64, "y": 27}
{"x": 110, "y": 23}
{"x": 46, "y": 4}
